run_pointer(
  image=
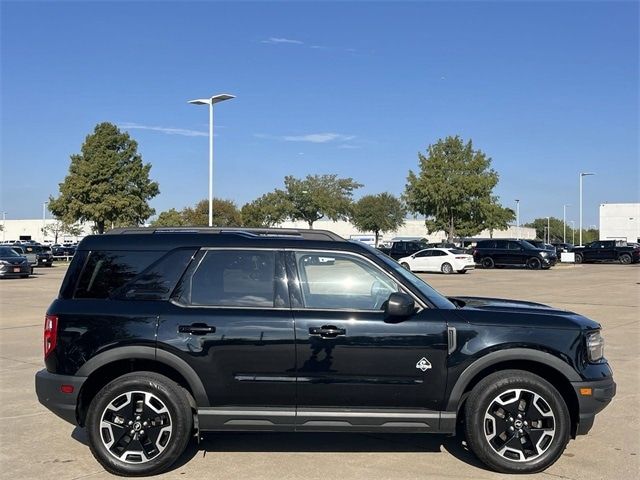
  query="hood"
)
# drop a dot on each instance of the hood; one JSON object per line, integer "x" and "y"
{"x": 501, "y": 311}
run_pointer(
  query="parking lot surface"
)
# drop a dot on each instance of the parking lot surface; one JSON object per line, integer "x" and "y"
{"x": 35, "y": 444}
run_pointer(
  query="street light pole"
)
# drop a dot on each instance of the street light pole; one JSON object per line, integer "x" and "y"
{"x": 573, "y": 232}
{"x": 548, "y": 230}
{"x": 211, "y": 101}
{"x": 564, "y": 222}
{"x": 517, "y": 219}
{"x": 4, "y": 221}
{"x": 582, "y": 174}
{"x": 44, "y": 218}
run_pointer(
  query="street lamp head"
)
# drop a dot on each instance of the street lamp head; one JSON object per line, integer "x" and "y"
{"x": 584, "y": 174}
{"x": 212, "y": 100}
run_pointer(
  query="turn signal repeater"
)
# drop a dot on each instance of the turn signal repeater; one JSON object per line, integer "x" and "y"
{"x": 586, "y": 392}
{"x": 50, "y": 334}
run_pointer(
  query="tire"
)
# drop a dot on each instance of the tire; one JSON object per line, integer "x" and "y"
{"x": 164, "y": 402}
{"x": 406, "y": 265}
{"x": 625, "y": 259}
{"x": 487, "y": 262}
{"x": 534, "y": 263}
{"x": 578, "y": 258}
{"x": 493, "y": 405}
{"x": 462, "y": 271}
{"x": 446, "y": 268}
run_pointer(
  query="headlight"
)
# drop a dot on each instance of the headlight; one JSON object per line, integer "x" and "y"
{"x": 4, "y": 262}
{"x": 595, "y": 346}
{"x": 544, "y": 254}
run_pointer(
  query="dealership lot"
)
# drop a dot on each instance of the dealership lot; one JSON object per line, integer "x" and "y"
{"x": 36, "y": 444}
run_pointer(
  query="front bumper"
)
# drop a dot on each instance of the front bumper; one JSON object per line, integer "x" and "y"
{"x": 9, "y": 271}
{"x": 602, "y": 392}
{"x": 48, "y": 389}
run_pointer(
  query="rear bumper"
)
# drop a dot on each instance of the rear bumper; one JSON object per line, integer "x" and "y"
{"x": 602, "y": 392}
{"x": 48, "y": 389}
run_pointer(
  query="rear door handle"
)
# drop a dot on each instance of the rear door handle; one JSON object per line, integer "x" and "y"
{"x": 327, "y": 331}
{"x": 197, "y": 329}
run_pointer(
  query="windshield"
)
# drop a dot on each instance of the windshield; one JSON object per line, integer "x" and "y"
{"x": 8, "y": 252}
{"x": 435, "y": 297}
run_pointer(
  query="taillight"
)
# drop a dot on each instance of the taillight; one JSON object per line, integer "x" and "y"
{"x": 50, "y": 334}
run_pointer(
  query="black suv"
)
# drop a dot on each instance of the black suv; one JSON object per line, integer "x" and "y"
{"x": 158, "y": 335}
{"x": 491, "y": 253}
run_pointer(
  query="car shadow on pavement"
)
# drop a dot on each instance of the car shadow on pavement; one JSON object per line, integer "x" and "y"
{"x": 270, "y": 442}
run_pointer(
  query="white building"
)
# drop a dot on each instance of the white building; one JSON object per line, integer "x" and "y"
{"x": 620, "y": 221}
{"x": 31, "y": 229}
{"x": 411, "y": 228}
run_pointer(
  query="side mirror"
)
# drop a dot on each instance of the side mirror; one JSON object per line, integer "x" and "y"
{"x": 399, "y": 306}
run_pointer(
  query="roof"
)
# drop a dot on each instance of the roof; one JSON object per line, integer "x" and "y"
{"x": 150, "y": 238}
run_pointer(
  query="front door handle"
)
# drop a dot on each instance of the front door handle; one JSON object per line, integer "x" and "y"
{"x": 327, "y": 331}
{"x": 197, "y": 329}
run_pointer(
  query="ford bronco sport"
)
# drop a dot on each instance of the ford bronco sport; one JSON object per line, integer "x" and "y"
{"x": 159, "y": 335}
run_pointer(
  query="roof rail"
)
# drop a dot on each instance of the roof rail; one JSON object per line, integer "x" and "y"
{"x": 306, "y": 234}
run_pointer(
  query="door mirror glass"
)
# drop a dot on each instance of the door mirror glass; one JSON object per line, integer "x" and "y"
{"x": 399, "y": 306}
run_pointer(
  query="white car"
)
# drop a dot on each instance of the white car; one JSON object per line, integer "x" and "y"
{"x": 445, "y": 260}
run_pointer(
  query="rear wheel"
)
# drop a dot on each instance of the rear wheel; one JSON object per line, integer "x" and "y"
{"x": 446, "y": 268}
{"x": 139, "y": 424}
{"x": 625, "y": 258}
{"x": 487, "y": 262}
{"x": 406, "y": 265}
{"x": 516, "y": 422}
{"x": 534, "y": 263}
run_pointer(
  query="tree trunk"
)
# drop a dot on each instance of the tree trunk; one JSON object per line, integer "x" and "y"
{"x": 310, "y": 222}
{"x": 451, "y": 231}
{"x": 377, "y": 232}
{"x": 100, "y": 227}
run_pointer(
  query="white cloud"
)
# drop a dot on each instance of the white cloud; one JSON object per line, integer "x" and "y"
{"x": 168, "y": 130}
{"x": 318, "y": 138}
{"x": 276, "y": 40}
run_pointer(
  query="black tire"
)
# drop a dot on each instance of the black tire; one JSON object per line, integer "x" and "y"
{"x": 178, "y": 420}
{"x": 534, "y": 263}
{"x": 406, "y": 265}
{"x": 446, "y": 268}
{"x": 578, "y": 258}
{"x": 463, "y": 271}
{"x": 487, "y": 262}
{"x": 486, "y": 414}
{"x": 625, "y": 259}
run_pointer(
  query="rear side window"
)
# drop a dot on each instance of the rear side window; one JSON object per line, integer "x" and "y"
{"x": 487, "y": 244}
{"x": 233, "y": 278}
{"x": 106, "y": 271}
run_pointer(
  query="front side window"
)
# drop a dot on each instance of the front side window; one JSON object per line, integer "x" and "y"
{"x": 336, "y": 281}
{"x": 233, "y": 278}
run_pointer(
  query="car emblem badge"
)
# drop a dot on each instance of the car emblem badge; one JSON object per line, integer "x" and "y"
{"x": 423, "y": 364}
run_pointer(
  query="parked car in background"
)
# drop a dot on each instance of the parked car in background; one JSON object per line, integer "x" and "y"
{"x": 12, "y": 264}
{"x": 445, "y": 260}
{"x": 563, "y": 248}
{"x": 607, "y": 251}
{"x": 499, "y": 253}
{"x": 403, "y": 248}
{"x": 31, "y": 257}
{"x": 66, "y": 250}
{"x": 44, "y": 257}
{"x": 540, "y": 244}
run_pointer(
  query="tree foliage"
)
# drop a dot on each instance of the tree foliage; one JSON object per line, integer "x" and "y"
{"x": 378, "y": 213}
{"x": 225, "y": 214}
{"x": 60, "y": 228}
{"x": 453, "y": 188}
{"x": 557, "y": 231}
{"x": 319, "y": 196}
{"x": 107, "y": 182}
{"x": 266, "y": 211}
{"x": 495, "y": 216}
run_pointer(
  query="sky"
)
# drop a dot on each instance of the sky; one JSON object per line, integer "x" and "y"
{"x": 546, "y": 89}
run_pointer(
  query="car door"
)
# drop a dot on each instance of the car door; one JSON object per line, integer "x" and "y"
{"x": 348, "y": 355}
{"x": 229, "y": 320}
{"x": 593, "y": 251}
{"x": 438, "y": 257}
{"x": 420, "y": 262}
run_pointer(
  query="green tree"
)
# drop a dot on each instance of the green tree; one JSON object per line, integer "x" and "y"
{"x": 225, "y": 214}
{"x": 378, "y": 213}
{"x": 107, "y": 182}
{"x": 58, "y": 228}
{"x": 319, "y": 196}
{"x": 452, "y": 188}
{"x": 556, "y": 229}
{"x": 495, "y": 216}
{"x": 169, "y": 218}
{"x": 266, "y": 211}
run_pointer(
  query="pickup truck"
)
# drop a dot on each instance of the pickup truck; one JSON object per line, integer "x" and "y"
{"x": 607, "y": 250}
{"x": 403, "y": 248}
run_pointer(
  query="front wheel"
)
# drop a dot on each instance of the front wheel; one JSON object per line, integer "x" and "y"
{"x": 139, "y": 424}
{"x": 578, "y": 258}
{"x": 516, "y": 422}
{"x": 534, "y": 263}
{"x": 463, "y": 271}
{"x": 446, "y": 268}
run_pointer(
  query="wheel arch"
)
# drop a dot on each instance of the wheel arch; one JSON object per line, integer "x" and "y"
{"x": 543, "y": 364}
{"x": 109, "y": 365}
